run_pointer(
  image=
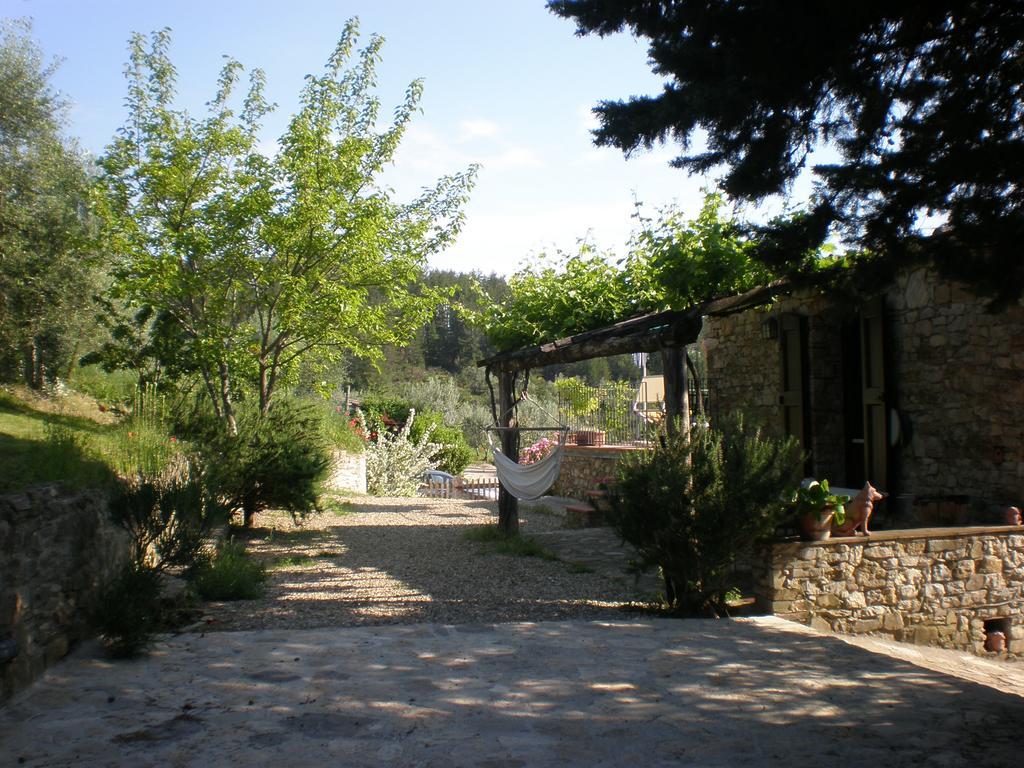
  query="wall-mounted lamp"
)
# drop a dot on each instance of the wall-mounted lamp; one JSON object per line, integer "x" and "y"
{"x": 770, "y": 329}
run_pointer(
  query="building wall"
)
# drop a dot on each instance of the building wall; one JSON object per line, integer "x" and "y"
{"x": 956, "y": 378}
{"x": 56, "y": 550}
{"x": 926, "y": 586}
{"x": 959, "y": 374}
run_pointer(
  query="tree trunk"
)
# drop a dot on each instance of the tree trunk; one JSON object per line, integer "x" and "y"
{"x": 508, "y": 505}
{"x": 677, "y": 406}
{"x": 228, "y": 410}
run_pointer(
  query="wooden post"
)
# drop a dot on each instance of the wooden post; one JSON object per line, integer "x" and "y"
{"x": 677, "y": 402}
{"x": 508, "y": 505}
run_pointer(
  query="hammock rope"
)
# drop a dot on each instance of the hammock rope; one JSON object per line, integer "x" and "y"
{"x": 528, "y": 481}
{"x": 524, "y": 481}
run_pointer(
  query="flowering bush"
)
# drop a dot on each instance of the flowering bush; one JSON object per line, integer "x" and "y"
{"x": 534, "y": 453}
{"x": 396, "y": 464}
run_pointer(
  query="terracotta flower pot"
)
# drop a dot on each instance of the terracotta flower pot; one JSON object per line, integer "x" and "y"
{"x": 816, "y": 527}
{"x": 594, "y": 437}
{"x": 995, "y": 642}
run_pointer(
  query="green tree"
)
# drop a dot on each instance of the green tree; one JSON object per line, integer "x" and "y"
{"x": 49, "y": 267}
{"x": 268, "y": 261}
{"x": 673, "y": 262}
{"x": 921, "y": 100}
{"x": 697, "y": 503}
{"x": 690, "y": 261}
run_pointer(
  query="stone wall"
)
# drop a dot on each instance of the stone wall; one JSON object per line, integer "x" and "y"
{"x": 584, "y": 468}
{"x": 955, "y": 378}
{"x": 959, "y": 373}
{"x": 55, "y": 551}
{"x": 348, "y": 473}
{"x": 927, "y": 586}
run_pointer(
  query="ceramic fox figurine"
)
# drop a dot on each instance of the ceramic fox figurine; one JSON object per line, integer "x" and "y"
{"x": 858, "y": 512}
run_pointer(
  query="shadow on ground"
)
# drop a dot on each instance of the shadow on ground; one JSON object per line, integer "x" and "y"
{"x": 757, "y": 692}
{"x": 352, "y": 570}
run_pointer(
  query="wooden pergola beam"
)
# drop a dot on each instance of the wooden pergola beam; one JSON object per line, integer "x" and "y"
{"x": 644, "y": 333}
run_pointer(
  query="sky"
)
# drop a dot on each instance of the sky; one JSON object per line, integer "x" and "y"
{"x": 508, "y": 85}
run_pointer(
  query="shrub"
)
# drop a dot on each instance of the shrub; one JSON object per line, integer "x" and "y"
{"x": 395, "y": 464}
{"x": 168, "y": 518}
{"x": 341, "y": 431}
{"x": 454, "y": 453}
{"x": 694, "y": 504}
{"x": 232, "y": 574}
{"x": 128, "y": 611}
{"x": 275, "y": 461}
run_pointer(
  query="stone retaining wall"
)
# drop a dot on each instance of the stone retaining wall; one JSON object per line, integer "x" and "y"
{"x": 348, "y": 472}
{"x": 584, "y": 468}
{"x": 929, "y": 586}
{"x": 55, "y": 551}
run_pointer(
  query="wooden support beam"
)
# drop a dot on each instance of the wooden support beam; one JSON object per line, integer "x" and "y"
{"x": 677, "y": 402}
{"x": 508, "y": 505}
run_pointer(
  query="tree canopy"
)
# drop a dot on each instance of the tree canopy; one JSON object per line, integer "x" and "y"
{"x": 48, "y": 263}
{"x": 673, "y": 263}
{"x": 921, "y": 100}
{"x": 268, "y": 261}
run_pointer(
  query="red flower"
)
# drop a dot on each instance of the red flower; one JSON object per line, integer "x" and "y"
{"x": 174, "y": 439}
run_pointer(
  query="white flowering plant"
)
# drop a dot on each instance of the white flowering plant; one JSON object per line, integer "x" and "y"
{"x": 396, "y": 464}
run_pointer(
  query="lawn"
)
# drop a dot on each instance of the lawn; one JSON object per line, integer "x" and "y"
{"x": 43, "y": 441}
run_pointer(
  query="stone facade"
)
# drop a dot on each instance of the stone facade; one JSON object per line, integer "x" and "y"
{"x": 942, "y": 587}
{"x": 348, "y": 473}
{"x": 56, "y": 550}
{"x": 954, "y": 384}
{"x": 584, "y": 468}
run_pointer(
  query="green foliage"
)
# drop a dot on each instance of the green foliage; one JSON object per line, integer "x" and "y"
{"x": 921, "y": 103}
{"x": 694, "y": 504}
{"x": 168, "y": 517}
{"x": 698, "y": 259}
{"x": 673, "y": 262}
{"x": 553, "y": 298}
{"x": 340, "y": 431}
{"x": 816, "y": 499}
{"x": 128, "y": 612}
{"x": 232, "y": 574}
{"x": 264, "y": 263}
{"x": 50, "y": 267}
{"x": 454, "y": 454}
{"x": 396, "y": 464}
{"x": 275, "y": 461}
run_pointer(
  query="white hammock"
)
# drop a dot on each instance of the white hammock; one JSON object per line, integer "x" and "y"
{"x": 528, "y": 481}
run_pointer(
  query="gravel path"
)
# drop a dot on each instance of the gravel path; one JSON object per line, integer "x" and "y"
{"x": 403, "y": 561}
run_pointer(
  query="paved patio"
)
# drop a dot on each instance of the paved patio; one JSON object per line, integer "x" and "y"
{"x": 750, "y": 692}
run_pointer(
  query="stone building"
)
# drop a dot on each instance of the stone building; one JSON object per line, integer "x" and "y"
{"x": 919, "y": 389}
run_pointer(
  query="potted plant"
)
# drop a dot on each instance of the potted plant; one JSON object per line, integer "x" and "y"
{"x": 816, "y": 507}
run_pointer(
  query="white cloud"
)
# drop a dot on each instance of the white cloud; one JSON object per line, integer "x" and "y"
{"x": 477, "y": 128}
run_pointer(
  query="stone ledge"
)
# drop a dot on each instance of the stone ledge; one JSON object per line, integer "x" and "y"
{"x": 601, "y": 451}
{"x": 903, "y": 534}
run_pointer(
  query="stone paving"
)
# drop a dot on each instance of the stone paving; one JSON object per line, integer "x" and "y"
{"x": 747, "y": 692}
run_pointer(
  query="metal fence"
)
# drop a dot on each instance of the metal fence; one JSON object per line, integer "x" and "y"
{"x": 624, "y": 412}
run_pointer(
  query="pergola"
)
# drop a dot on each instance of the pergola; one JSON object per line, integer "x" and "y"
{"x": 666, "y": 332}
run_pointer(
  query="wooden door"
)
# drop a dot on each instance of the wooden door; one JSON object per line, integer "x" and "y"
{"x": 876, "y": 433}
{"x": 794, "y": 395}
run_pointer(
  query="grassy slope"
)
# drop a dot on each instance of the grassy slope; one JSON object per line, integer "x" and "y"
{"x": 27, "y": 455}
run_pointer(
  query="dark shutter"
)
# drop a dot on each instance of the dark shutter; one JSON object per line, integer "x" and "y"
{"x": 795, "y": 384}
{"x": 876, "y": 433}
